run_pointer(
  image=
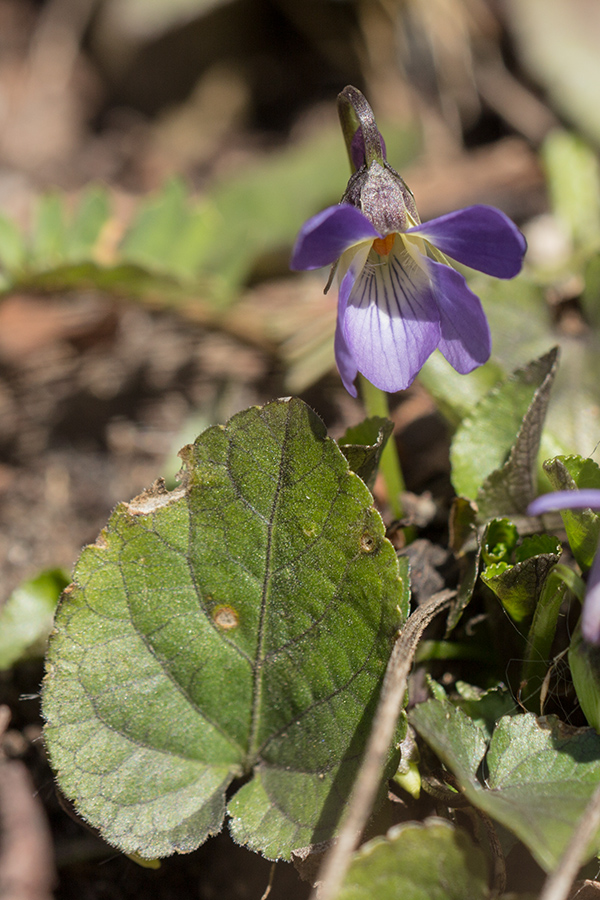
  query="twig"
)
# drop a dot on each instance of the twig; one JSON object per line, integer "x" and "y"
{"x": 369, "y": 777}
{"x": 270, "y": 884}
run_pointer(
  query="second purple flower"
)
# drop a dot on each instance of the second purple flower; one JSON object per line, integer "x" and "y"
{"x": 399, "y": 297}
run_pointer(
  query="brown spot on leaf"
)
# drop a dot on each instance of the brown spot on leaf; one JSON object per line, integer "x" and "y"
{"x": 225, "y": 617}
{"x": 153, "y": 498}
{"x": 367, "y": 543}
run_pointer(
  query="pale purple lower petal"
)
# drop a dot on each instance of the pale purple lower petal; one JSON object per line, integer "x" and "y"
{"x": 390, "y": 318}
{"x": 465, "y": 334}
{"x": 590, "y": 617}
{"x": 586, "y": 499}
{"x": 328, "y": 234}
{"x": 344, "y": 359}
{"x": 481, "y": 237}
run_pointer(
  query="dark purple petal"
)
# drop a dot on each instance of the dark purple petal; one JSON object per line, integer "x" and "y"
{"x": 465, "y": 334}
{"x": 481, "y": 237}
{"x": 590, "y": 617}
{"x": 344, "y": 360}
{"x": 390, "y": 318}
{"x": 586, "y": 499}
{"x": 357, "y": 148}
{"x": 324, "y": 238}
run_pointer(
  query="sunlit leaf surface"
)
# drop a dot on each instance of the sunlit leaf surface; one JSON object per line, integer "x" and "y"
{"x": 238, "y": 627}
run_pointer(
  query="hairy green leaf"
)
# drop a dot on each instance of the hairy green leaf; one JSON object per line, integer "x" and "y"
{"x": 238, "y": 627}
{"x": 484, "y": 707}
{"x": 517, "y": 586}
{"x": 499, "y": 541}
{"x": 432, "y": 860}
{"x": 540, "y": 774}
{"x": 363, "y": 444}
{"x": 509, "y": 489}
{"x": 494, "y": 451}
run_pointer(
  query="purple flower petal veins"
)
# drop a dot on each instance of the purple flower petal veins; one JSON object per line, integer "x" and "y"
{"x": 480, "y": 237}
{"x": 584, "y": 499}
{"x": 344, "y": 360}
{"x": 386, "y": 306}
{"x": 393, "y": 312}
{"x": 399, "y": 298}
{"x": 465, "y": 338}
{"x": 327, "y": 235}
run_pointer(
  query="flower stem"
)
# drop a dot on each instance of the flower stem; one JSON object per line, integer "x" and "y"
{"x": 376, "y": 404}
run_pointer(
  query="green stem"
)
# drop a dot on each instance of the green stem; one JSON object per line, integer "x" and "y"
{"x": 376, "y": 404}
{"x": 543, "y": 628}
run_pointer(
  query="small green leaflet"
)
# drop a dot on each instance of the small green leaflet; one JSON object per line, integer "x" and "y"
{"x": 235, "y": 628}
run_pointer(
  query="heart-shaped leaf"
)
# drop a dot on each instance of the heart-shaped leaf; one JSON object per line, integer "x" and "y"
{"x": 238, "y": 627}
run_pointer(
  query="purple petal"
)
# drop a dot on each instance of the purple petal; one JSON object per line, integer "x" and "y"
{"x": 324, "y": 238}
{"x": 390, "y": 318}
{"x": 466, "y": 341}
{"x": 344, "y": 360}
{"x": 590, "y": 617}
{"x": 481, "y": 237}
{"x": 586, "y": 499}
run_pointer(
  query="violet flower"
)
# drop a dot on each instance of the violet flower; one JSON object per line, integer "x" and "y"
{"x": 399, "y": 297}
{"x": 585, "y": 499}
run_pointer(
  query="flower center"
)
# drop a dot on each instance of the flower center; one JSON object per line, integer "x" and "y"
{"x": 384, "y": 245}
